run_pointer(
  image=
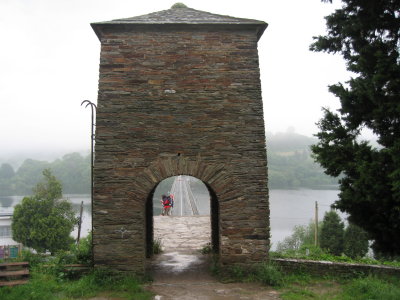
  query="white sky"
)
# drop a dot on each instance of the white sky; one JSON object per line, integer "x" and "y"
{"x": 49, "y": 61}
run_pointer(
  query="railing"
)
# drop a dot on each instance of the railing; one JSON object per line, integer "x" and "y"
{"x": 14, "y": 273}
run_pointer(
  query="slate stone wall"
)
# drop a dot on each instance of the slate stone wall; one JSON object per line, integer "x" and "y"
{"x": 182, "y": 101}
{"x": 328, "y": 268}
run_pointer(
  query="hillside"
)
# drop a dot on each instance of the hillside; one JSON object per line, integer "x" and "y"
{"x": 290, "y": 164}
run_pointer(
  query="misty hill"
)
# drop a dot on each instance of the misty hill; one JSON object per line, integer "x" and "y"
{"x": 73, "y": 170}
{"x": 288, "y": 142}
{"x": 289, "y": 165}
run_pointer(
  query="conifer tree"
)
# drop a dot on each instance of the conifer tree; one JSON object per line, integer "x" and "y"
{"x": 366, "y": 33}
{"x": 332, "y": 233}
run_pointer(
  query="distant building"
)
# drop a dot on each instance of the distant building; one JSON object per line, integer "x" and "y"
{"x": 8, "y": 247}
{"x": 5, "y": 229}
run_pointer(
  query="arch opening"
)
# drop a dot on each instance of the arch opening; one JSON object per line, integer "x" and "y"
{"x": 191, "y": 197}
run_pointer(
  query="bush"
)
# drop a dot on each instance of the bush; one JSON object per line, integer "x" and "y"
{"x": 302, "y": 235}
{"x": 33, "y": 259}
{"x": 355, "y": 241}
{"x": 44, "y": 221}
{"x": 83, "y": 250}
{"x": 269, "y": 274}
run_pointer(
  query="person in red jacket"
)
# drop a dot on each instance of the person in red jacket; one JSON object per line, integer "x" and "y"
{"x": 167, "y": 204}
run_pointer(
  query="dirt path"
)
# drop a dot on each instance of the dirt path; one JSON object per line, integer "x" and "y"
{"x": 181, "y": 272}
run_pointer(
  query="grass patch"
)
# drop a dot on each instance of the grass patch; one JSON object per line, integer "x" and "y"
{"x": 47, "y": 286}
{"x": 310, "y": 288}
{"x": 371, "y": 288}
{"x": 207, "y": 249}
{"x": 157, "y": 246}
{"x": 304, "y": 286}
{"x": 266, "y": 273}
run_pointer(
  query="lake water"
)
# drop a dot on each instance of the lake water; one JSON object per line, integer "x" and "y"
{"x": 288, "y": 208}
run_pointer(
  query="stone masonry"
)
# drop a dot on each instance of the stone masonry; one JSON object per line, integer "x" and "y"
{"x": 179, "y": 94}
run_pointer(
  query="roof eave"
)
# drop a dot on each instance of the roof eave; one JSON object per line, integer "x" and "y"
{"x": 97, "y": 27}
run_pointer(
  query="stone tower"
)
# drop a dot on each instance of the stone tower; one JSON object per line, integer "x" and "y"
{"x": 179, "y": 94}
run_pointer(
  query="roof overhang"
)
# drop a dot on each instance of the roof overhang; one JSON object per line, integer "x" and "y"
{"x": 101, "y": 28}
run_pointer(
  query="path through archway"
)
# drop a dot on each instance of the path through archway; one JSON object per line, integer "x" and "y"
{"x": 190, "y": 230}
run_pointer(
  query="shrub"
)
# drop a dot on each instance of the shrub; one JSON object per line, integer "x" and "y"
{"x": 83, "y": 250}
{"x": 355, "y": 241}
{"x": 269, "y": 274}
{"x": 34, "y": 259}
{"x": 44, "y": 221}
{"x": 332, "y": 233}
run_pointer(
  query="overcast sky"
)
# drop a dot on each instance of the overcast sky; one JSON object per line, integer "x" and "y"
{"x": 49, "y": 62}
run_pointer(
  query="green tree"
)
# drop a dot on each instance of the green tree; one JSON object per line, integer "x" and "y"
{"x": 44, "y": 221}
{"x": 332, "y": 233}
{"x": 355, "y": 241}
{"x": 303, "y": 235}
{"x": 366, "y": 33}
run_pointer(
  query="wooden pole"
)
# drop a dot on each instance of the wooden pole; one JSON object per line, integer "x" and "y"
{"x": 80, "y": 224}
{"x": 316, "y": 224}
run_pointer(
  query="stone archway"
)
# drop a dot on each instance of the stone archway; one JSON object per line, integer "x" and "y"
{"x": 182, "y": 218}
{"x": 165, "y": 168}
{"x": 179, "y": 94}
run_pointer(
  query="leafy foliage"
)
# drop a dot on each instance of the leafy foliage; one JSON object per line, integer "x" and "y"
{"x": 355, "y": 241}
{"x": 83, "y": 251}
{"x": 44, "y": 221}
{"x": 366, "y": 34}
{"x": 301, "y": 236}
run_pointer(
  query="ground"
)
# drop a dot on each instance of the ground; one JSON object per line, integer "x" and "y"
{"x": 182, "y": 272}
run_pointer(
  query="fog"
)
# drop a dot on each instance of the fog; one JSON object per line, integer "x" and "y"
{"x": 50, "y": 60}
